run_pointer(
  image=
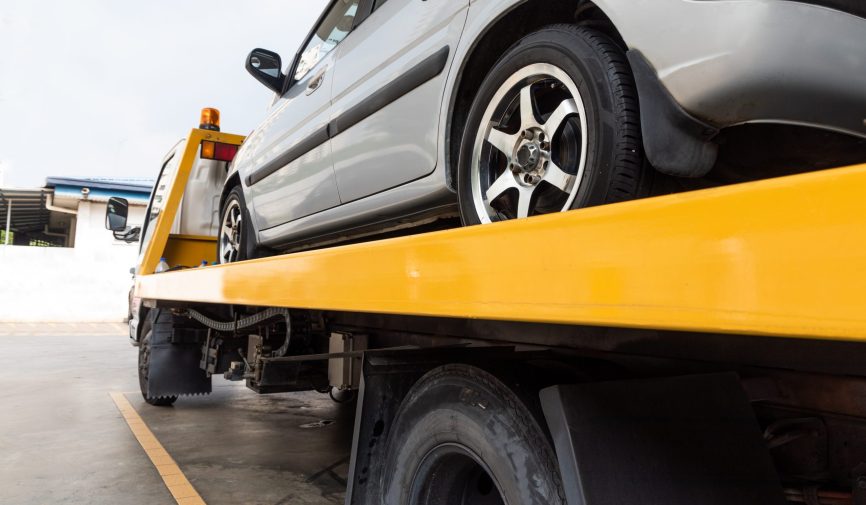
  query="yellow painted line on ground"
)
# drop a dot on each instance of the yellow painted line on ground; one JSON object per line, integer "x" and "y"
{"x": 174, "y": 479}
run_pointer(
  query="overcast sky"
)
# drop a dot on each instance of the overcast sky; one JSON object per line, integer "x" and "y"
{"x": 105, "y": 87}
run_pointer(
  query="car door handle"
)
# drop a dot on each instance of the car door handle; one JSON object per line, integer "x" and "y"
{"x": 316, "y": 82}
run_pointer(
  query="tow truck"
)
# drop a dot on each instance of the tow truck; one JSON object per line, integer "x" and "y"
{"x": 705, "y": 347}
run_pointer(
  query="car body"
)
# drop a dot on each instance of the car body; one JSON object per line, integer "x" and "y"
{"x": 364, "y": 140}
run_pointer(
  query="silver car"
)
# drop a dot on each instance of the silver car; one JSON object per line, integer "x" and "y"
{"x": 403, "y": 112}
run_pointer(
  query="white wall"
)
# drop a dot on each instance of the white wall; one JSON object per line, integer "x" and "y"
{"x": 87, "y": 283}
{"x": 54, "y": 284}
{"x": 90, "y": 232}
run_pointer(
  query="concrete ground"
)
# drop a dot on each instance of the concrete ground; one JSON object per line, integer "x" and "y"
{"x": 58, "y": 329}
{"x": 63, "y": 440}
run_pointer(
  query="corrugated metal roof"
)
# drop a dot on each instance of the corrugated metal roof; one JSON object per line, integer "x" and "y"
{"x": 28, "y": 209}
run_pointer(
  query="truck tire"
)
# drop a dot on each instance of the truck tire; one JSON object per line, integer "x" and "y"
{"x": 554, "y": 126}
{"x": 144, "y": 363}
{"x": 462, "y": 437}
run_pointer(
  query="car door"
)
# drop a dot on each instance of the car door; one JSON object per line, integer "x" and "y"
{"x": 387, "y": 92}
{"x": 292, "y": 173}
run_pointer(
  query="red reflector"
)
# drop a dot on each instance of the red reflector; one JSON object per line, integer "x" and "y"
{"x": 225, "y": 152}
{"x": 217, "y": 151}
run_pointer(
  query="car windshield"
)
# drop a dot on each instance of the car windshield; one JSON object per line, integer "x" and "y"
{"x": 157, "y": 200}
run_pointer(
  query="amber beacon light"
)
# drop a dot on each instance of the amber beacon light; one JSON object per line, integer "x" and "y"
{"x": 210, "y": 119}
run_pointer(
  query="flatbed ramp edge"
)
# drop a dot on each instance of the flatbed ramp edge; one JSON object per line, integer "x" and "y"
{"x": 783, "y": 257}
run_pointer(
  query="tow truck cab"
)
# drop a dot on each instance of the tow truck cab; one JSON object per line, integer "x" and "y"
{"x": 192, "y": 241}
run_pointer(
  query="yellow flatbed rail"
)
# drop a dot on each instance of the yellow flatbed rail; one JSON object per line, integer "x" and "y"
{"x": 779, "y": 257}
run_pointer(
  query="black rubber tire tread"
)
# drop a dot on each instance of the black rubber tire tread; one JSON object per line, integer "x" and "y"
{"x": 523, "y": 435}
{"x": 157, "y": 320}
{"x": 620, "y": 170}
{"x": 629, "y": 163}
{"x": 247, "y": 247}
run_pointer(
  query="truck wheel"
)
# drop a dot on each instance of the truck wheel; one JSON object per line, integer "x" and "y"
{"x": 554, "y": 126}
{"x": 463, "y": 437}
{"x": 143, "y": 365}
{"x": 234, "y": 241}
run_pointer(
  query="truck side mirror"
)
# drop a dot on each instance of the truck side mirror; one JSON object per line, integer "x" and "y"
{"x": 266, "y": 66}
{"x": 129, "y": 235}
{"x": 116, "y": 213}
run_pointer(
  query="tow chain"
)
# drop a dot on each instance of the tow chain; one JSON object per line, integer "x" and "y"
{"x": 237, "y": 324}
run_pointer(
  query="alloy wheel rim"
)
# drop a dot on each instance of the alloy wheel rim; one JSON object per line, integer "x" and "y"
{"x": 529, "y": 153}
{"x": 230, "y": 232}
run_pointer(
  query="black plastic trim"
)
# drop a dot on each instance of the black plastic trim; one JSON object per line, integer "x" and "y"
{"x": 622, "y": 441}
{"x": 676, "y": 143}
{"x": 365, "y": 8}
{"x": 424, "y": 71}
{"x": 313, "y": 141}
{"x": 432, "y": 66}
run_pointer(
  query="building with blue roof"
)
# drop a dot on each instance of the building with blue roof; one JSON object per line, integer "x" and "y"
{"x": 69, "y": 211}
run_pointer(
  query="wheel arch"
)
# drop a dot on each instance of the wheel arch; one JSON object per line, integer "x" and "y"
{"x": 234, "y": 179}
{"x": 521, "y": 19}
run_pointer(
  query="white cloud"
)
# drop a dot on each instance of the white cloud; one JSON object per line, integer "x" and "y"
{"x": 102, "y": 88}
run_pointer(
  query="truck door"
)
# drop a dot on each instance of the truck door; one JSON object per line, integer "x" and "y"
{"x": 387, "y": 93}
{"x": 293, "y": 172}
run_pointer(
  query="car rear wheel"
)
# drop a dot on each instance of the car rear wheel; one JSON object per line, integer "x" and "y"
{"x": 554, "y": 127}
{"x": 233, "y": 242}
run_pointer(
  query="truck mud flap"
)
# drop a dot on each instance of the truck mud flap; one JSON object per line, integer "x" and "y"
{"x": 174, "y": 369}
{"x": 691, "y": 439}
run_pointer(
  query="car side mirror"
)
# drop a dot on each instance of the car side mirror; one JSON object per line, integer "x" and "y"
{"x": 116, "y": 213}
{"x": 266, "y": 66}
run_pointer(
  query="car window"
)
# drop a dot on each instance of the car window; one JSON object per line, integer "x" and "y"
{"x": 157, "y": 199}
{"x": 334, "y": 28}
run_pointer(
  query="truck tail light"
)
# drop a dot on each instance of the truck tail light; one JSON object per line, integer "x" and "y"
{"x": 218, "y": 151}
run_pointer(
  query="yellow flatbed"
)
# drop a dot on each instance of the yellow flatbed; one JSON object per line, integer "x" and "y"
{"x": 780, "y": 257}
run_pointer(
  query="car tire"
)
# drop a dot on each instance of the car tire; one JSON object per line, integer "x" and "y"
{"x": 144, "y": 364}
{"x": 233, "y": 237}
{"x": 576, "y": 144}
{"x": 461, "y": 436}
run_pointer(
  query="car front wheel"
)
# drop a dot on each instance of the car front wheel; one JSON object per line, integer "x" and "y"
{"x": 554, "y": 126}
{"x": 233, "y": 239}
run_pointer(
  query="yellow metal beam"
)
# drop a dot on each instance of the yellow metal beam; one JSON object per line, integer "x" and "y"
{"x": 155, "y": 249}
{"x": 190, "y": 250}
{"x": 782, "y": 257}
